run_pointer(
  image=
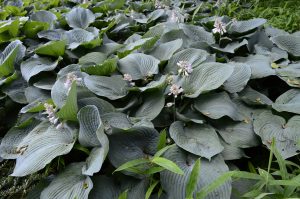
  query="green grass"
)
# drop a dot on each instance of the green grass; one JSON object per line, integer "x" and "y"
{"x": 280, "y": 14}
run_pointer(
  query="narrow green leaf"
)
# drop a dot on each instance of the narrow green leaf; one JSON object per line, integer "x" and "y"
{"x": 154, "y": 170}
{"x": 193, "y": 180}
{"x": 131, "y": 163}
{"x": 280, "y": 160}
{"x": 223, "y": 178}
{"x": 150, "y": 190}
{"x": 285, "y": 182}
{"x": 162, "y": 139}
{"x": 123, "y": 195}
{"x": 167, "y": 164}
{"x": 161, "y": 151}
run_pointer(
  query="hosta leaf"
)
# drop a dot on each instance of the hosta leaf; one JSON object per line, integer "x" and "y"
{"x": 45, "y": 83}
{"x": 31, "y": 28}
{"x": 165, "y": 51}
{"x": 152, "y": 105}
{"x": 102, "y": 105}
{"x": 253, "y": 97}
{"x": 104, "y": 188}
{"x": 191, "y": 55}
{"x": 292, "y": 70}
{"x": 11, "y": 26}
{"x": 52, "y": 35}
{"x": 91, "y": 127}
{"x": 35, "y": 65}
{"x": 111, "y": 87}
{"x": 217, "y": 105}
{"x": 138, "y": 65}
{"x": 197, "y": 33}
{"x": 135, "y": 143}
{"x": 239, "y": 78}
{"x": 126, "y": 50}
{"x": 286, "y": 134}
{"x": 260, "y": 65}
{"x": 52, "y": 48}
{"x": 69, "y": 184}
{"x": 69, "y": 110}
{"x": 92, "y": 58}
{"x": 198, "y": 139}
{"x": 44, "y": 16}
{"x": 77, "y": 37}
{"x": 239, "y": 134}
{"x": 232, "y": 152}
{"x": 96, "y": 158}
{"x": 174, "y": 185}
{"x": 193, "y": 179}
{"x": 106, "y": 68}
{"x": 12, "y": 139}
{"x": 15, "y": 91}
{"x": 190, "y": 115}
{"x": 8, "y": 58}
{"x": 289, "y": 43}
{"x": 155, "y": 84}
{"x": 42, "y": 145}
{"x": 206, "y": 77}
{"x": 116, "y": 120}
{"x": 80, "y": 18}
{"x": 231, "y": 47}
{"x": 288, "y": 101}
{"x": 245, "y": 26}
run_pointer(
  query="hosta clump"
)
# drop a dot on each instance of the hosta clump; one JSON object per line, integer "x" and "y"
{"x": 123, "y": 87}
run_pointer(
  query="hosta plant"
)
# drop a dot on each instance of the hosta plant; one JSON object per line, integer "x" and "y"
{"x": 127, "y": 96}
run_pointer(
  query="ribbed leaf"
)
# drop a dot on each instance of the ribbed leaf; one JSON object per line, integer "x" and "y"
{"x": 253, "y": 97}
{"x": 217, "y": 105}
{"x": 102, "y": 105}
{"x": 165, "y": 51}
{"x": 44, "y": 16}
{"x": 288, "y": 101}
{"x": 80, "y": 18}
{"x": 8, "y": 58}
{"x": 239, "y": 78}
{"x": 206, "y": 77}
{"x": 52, "y": 48}
{"x": 34, "y": 66}
{"x": 197, "y": 33}
{"x": 12, "y": 139}
{"x": 198, "y": 139}
{"x": 106, "y": 68}
{"x": 174, "y": 185}
{"x": 152, "y": 105}
{"x": 77, "y": 37}
{"x": 231, "y": 47}
{"x": 138, "y": 65}
{"x": 111, "y": 87}
{"x": 136, "y": 143}
{"x": 290, "y": 43}
{"x": 286, "y": 134}
{"x": 245, "y": 26}
{"x": 91, "y": 127}
{"x": 131, "y": 46}
{"x": 69, "y": 184}
{"x": 191, "y": 55}
{"x": 42, "y": 145}
{"x": 260, "y": 65}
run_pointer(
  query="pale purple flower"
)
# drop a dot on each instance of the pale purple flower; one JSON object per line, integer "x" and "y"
{"x": 220, "y": 27}
{"x": 175, "y": 90}
{"x": 159, "y": 4}
{"x": 71, "y": 77}
{"x": 185, "y": 68}
{"x": 128, "y": 78}
{"x": 174, "y": 18}
{"x": 50, "y": 111}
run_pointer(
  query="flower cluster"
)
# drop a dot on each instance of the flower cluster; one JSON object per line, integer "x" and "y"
{"x": 220, "y": 27}
{"x": 50, "y": 111}
{"x": 174, "y": 18}
{"x": 159, "y": 5}
{"x": 128, "y": 78}
{"x": 71, "y": 77}
{"x": 175, "y": 90}
{"x": 185, "y": 68}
